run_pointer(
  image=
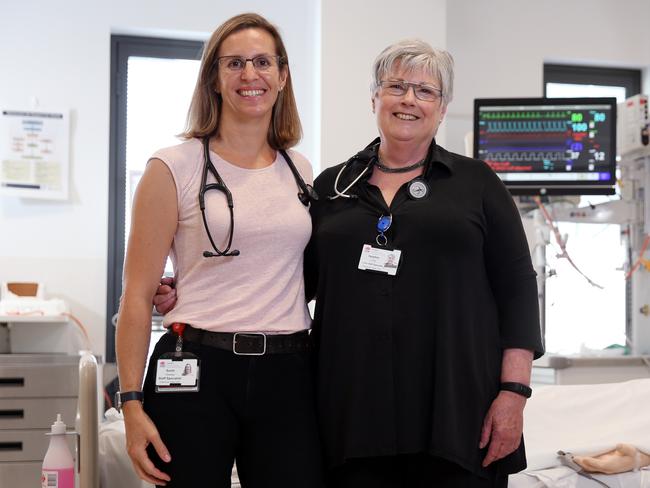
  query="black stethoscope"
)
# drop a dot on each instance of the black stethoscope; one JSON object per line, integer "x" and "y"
{"x": 306, "y": 195}
{"x": 417, "y": 188}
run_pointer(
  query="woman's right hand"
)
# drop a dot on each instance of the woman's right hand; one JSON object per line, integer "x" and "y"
{"x": 165, "y": 298}
{"x": 140, "y": 432}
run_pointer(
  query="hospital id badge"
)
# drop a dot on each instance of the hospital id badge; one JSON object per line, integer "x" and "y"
{"x": 380, "y": 260}
{"x": 177, "y": 372}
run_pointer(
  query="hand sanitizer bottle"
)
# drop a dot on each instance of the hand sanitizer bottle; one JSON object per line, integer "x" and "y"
{"x": 58, "y": 465}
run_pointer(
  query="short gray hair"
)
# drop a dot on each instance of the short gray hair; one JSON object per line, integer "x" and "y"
{"x": 415, "y": 54}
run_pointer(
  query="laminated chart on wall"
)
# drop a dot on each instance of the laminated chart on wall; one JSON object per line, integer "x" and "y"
{"x": 34, "y": 154}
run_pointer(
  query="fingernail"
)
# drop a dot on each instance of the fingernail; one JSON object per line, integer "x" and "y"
{"x": 167, "y": 458}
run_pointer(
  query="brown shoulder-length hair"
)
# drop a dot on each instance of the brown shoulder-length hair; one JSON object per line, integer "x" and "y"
{"x": 203, "y": 116}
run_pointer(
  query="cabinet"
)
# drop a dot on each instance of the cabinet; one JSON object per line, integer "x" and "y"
{"x": 33, "y": 389}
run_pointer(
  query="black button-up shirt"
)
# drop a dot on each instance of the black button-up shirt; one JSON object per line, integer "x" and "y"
{"x": 411, "y": 363}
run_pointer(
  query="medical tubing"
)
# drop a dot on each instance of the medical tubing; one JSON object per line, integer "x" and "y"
{"x": 561, "y": 243}
{"x": 84, "y": 331}
{"x": 639, "y": 260}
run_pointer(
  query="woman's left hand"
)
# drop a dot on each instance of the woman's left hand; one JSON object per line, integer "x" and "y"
{"x": 503, "y": 426}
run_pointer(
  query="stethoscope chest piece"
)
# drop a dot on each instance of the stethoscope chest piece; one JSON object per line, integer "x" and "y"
{"x": 418, "y": 189}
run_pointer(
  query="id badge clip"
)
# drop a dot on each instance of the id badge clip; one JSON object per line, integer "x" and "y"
{"x": 178, "y": 371}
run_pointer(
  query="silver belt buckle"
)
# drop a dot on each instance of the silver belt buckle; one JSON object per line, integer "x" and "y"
{"x": 234, "y": 344}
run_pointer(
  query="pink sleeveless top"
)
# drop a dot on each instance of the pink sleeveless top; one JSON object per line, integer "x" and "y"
{"x": 262, "y": 289}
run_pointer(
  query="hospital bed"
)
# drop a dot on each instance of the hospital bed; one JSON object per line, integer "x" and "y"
{"x": 584, "y": 420}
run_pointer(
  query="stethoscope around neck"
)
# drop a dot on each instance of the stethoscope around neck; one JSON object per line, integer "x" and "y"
{"x": 417, "y": 189}
{"x": 306, "y": 195}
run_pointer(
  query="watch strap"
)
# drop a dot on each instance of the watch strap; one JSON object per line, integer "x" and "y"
{"x": 518, "y": 388}
{"x": 121, "y": 397}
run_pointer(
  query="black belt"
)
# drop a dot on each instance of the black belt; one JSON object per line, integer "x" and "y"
{"x": 250, "y": 343}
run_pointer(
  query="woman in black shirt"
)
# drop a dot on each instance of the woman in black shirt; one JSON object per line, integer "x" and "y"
{"x": 426, "y": 313}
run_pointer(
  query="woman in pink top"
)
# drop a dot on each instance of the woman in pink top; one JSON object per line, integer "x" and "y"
{"x": 230, "y": 380}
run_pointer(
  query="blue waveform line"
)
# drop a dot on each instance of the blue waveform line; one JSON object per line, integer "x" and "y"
{"x": 527, "y": 126}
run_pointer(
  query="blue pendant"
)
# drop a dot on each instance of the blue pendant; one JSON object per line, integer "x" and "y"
{"x": 383, "y": 224}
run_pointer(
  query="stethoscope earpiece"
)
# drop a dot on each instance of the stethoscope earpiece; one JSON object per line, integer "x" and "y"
{"x": 307, "y": 195}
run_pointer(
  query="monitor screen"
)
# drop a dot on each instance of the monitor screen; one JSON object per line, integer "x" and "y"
{"x": 548, "y": 145}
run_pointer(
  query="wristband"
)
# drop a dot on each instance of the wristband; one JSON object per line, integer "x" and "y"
{"x": 518, "y": 388}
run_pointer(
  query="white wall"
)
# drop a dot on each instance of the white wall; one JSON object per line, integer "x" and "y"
{"x": 60, "y": 53}
{"x": 354, "y": 32}
{"x": 500, "y": 46}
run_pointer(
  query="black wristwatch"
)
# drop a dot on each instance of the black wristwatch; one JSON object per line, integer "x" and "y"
{"x": 518, "y": 388}
{"x": 121, "y": 397}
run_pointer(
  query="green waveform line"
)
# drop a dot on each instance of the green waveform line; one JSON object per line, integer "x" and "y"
{"x": 525, "y": 115}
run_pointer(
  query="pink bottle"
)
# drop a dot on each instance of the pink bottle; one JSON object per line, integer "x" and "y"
{"x": 58, "y": 465}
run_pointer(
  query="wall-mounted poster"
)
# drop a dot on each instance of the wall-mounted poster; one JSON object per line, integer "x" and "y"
{"x": 34, "y": 154}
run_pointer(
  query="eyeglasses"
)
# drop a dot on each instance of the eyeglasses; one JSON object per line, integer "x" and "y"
{"x": 398, "y": 88}
{"x": 261, "y": 63}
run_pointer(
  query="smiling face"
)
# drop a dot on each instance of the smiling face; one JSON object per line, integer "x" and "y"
{"x": 405, "y": 118}
{"x": 249, "y": 93}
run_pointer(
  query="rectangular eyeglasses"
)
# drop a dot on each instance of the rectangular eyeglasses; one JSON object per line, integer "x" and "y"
{"x": 235, "y": 64}
{"x": 422, "y": 91}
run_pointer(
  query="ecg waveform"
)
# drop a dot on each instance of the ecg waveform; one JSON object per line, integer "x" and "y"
{"x": 525, "y": 115}
{"x": 556, "y": 156}
{"x": 526, "y": 126}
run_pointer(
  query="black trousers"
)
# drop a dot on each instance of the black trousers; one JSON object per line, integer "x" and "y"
{"x": 408, "y": 471}
{"x": 258, "y": 410}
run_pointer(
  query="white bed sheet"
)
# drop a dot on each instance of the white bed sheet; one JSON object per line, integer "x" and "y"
{"x": 564, "y": 477}
{"x": 585, "y": 420}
